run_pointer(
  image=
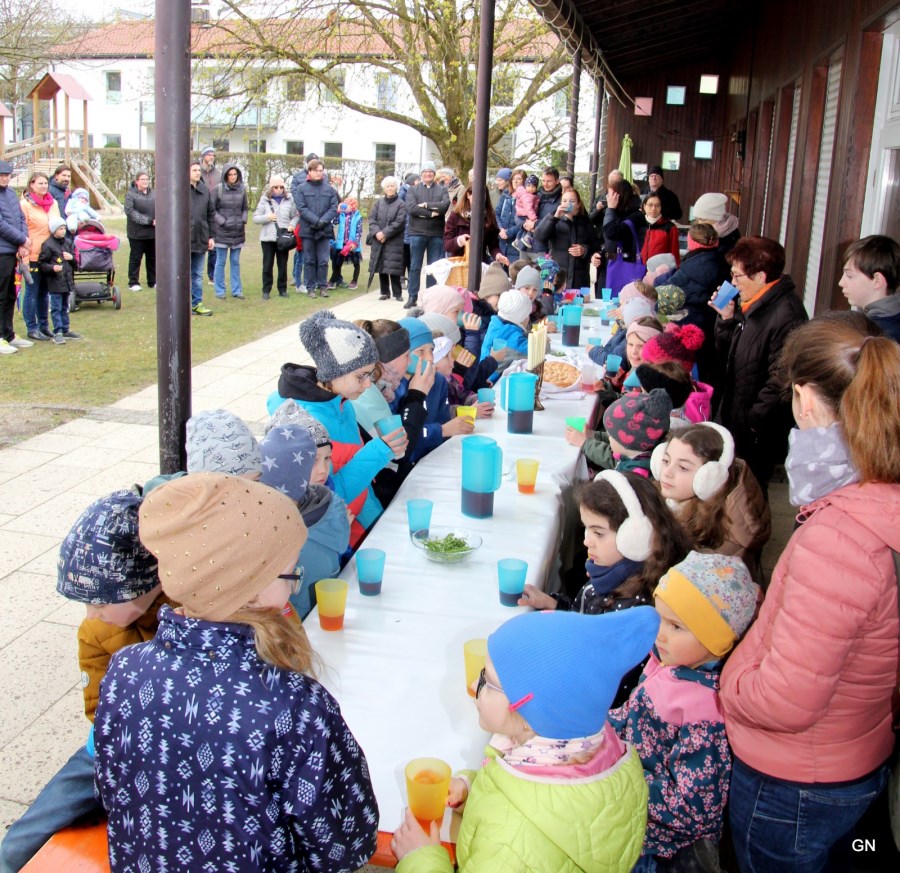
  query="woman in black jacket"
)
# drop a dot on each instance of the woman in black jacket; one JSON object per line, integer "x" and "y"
{"x": 140, "y": 228}
{"x": 570, "y": 237}
{"x": 753, "y": 404}
{"x": 386, "y": 223}
{"x": 231, "y": 211}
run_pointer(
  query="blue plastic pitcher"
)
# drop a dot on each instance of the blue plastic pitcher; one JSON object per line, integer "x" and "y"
{"x": 482, "y": 470}
{"x": 571, "y": 325}
{"x": 520, "y": 402}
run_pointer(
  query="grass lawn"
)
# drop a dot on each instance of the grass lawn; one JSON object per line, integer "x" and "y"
{"x": 118, "y": 353}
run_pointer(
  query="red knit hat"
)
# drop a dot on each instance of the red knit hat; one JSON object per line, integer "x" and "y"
{"x": 679, "y": 343}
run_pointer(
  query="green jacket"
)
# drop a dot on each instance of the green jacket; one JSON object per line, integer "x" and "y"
{"x": 515, "y": 823}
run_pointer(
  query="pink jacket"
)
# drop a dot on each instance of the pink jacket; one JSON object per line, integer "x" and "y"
{"x": 807, "y": 693}
{"x": 526, "y": 203}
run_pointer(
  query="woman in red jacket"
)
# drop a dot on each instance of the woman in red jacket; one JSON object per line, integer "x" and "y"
{"x": 807, "y": 694}
{"x": 661, "y": 237}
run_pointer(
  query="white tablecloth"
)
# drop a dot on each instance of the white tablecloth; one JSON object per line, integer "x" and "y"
{"x": 397, "y": 667}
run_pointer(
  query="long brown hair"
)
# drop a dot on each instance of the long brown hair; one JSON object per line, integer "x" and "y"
{"x": 670, "y": 542}
{"x": 857, "y": 373}
{"x": 280, "y": 640}
{"x": 706, "y": 521}
{"x": 463, "y": 206}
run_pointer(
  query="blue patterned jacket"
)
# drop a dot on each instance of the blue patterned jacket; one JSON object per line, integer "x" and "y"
{"x": 674, "y": 719}
{"x": 209, "y": 759}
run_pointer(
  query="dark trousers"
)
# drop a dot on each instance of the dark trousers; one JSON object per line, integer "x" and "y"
{"x": 211, "y": 264}
{"x": 337, "y": 264}
{"x": 7, "y": 296}
{"x": 141, "y": 248}
{"x": 315, "y": 262}
{"x": 273, "y": 255}
{"x": 389, "y": 282}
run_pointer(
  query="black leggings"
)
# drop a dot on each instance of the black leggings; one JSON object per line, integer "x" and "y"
{"x": 388, "y": 282}
{"x": 137, "y": 249}
{"x": 273, "y": 255}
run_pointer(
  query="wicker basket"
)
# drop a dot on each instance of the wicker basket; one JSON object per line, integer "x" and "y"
{"x": 459, "y": 274}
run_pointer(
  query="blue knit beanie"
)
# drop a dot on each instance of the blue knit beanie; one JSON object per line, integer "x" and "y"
{"x": 504, "y": 173}
{"x": 288, "y": 456}
{"x": 102, "y": 559}
{"x": 563, "y": 669}
{"x": 419, "y": 332}
{"x": 337, "y": 347}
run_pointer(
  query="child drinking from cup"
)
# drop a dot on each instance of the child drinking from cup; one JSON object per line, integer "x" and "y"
{"x": 509, "y": 323}
{"x": 215, "y": 746}
{"x": 712, "y": 493}
{"x": 558, "y": 790}
{"x": 674, "y": 718}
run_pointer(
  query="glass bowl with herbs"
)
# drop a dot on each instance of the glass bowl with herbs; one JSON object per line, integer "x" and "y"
{"x": 445, "y": 545}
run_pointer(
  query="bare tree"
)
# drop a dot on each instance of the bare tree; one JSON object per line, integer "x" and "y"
{"x": 430, "y": 46}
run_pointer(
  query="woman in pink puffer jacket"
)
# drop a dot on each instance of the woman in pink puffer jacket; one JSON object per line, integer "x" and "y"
{"x": 807, "y": 693}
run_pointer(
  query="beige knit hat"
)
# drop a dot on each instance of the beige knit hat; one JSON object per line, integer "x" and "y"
{"x": 494, "y": 282}
{"x": 219, "y": 539}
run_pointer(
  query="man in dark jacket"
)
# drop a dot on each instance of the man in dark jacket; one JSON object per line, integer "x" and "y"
{"x": 317, "y": 204}
{"x": 202, "y": 242}
{"x": 671, "y": 205}
{"x": 59, "y": 186}
{"x": 426, "y": 204}
{"x": 296, "y": 181}
{"x": 753, "y": 404}
{"x": 211, "y": 176}
{"x": 549, "y": 198}
{"x": 14, "y": 242}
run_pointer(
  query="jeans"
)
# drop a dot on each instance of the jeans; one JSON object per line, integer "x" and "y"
{"x": 59, "y": 311}
{"x": 211, "y": 265}
{"x": 66, "y": 798}
{"x": 8, "y": 265}
{"x": 272, "y": 255}
{"x": 787, "y": 827}
{"x": 234, "y": 263}
{"x": 36, "y": 305}
{"x": 418, "y": 246}
{"x": 198, "y": 259}
{"x": 315, "y": 262}
{"x": 298, "y": 269}
{"x": 141, "y": 248}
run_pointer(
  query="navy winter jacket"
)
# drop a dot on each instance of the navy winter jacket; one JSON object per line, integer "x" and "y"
{"x": 13, "y": 229}
{"x": 317, "y": 203}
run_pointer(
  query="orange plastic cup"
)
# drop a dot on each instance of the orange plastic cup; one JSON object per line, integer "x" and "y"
{"x": 474, "y": 653}
{"x": 331, "y": 598}
{"x": 427, "y": 788}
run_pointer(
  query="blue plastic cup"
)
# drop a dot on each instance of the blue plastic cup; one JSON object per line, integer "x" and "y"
{"x": 370, "y": 571}
{"x": 388, "y": 424}
{"x": 418, "y": 513}
{"x": 498, "y": 344}
{"x": 595, "y": 341}
{"x": 511, "y": 573}
{"x": 727, "y": 293}
{"x": 607, "y": 293}
{"x": 487, "y": 395}
{"x": 613, "y": 364}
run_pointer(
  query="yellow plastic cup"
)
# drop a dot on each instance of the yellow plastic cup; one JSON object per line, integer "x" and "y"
{"x": 427, "y": 788}
{"x": 467, "y": 412}
{"x": 474, "y": 653}
{"x": 331, "y": 597}
{"x": 526, "y": 474}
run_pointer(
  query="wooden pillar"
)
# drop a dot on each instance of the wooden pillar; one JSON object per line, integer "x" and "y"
{"x": 36, "y": 122}
{"x": 2, "y": 135}
{"x": 84, "y": 142}
{"x": 573, "y": 113}
{"x": 55, "y": 111}
{"x": 66, "y": 115}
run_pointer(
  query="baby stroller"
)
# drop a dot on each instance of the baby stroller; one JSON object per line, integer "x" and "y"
{"x": 94, "y": 270}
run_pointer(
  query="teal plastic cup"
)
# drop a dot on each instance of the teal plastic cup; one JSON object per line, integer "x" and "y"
{"x": 487, "y": 395}
{"x": 607, "y": 293}
{"x": 613, "y": 364}
{"x": 370, "y": 571}
{"x": 498, "y": 344}
{"x": 511, "y": 574}
{"x": 595, "y": 341}
{"x": 418, "y": 513}
{"x": 388, "y": 424}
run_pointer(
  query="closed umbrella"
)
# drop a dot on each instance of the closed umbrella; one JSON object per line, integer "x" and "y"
{"x": 625, "y": 160}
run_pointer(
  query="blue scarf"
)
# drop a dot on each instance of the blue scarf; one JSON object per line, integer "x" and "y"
{"x": 606, "y": 579}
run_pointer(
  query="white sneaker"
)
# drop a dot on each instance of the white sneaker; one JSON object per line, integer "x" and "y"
{"x": 301, "y": 289}
{"x": 134, "y": 287}
{"x": 20, "y": 343}
{"x": 6, "y": 348}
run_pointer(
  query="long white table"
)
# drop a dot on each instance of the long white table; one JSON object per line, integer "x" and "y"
{"x": 397, "y": 666}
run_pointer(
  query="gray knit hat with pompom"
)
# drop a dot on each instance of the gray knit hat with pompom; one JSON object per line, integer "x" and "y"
{"x": 337, "y": 347}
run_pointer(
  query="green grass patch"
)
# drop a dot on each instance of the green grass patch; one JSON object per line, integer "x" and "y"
{"x": 118, "y": 353}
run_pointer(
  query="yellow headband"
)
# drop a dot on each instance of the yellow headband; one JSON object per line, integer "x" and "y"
{"x": 697, "y": 613}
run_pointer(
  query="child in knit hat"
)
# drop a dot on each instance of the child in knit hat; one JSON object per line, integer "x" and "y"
{"x": 674, "y": 717}
{"x": 103, "y": 565}
{"x": 527, "y": 201}
{"x": 218, "y": 441}
{"x": 509, "y": 323}
{"x": 679, "y": 343}
{"x": 345, "y": 359}
{"x": 290, "y": 455}
{"x": 227, "y": 683}
{"x": 558, "y": 790}
{"x": 635, "y": 425}
{"x": 56, "y": 262}
{"x": 79, "y": 209}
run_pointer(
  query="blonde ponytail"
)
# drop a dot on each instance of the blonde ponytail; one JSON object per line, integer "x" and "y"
{"x": 280, "y": 640}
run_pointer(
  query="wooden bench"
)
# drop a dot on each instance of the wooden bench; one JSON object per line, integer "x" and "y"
{"x": 83, "y": 849}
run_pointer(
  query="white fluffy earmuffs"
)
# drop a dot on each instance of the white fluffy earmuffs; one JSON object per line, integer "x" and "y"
{"x": 713, "y": 474}
{"x": 634, "y": 539}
